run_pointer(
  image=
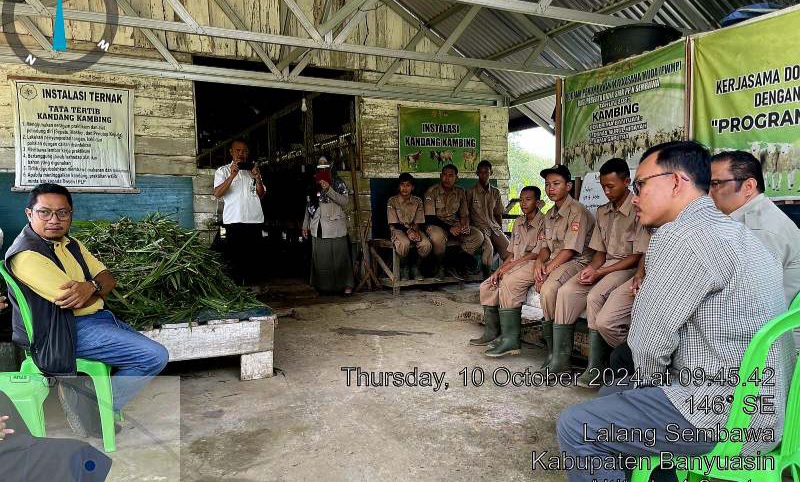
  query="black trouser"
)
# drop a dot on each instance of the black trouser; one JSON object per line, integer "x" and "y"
{"x": 622, "y": 359}
{"x": 244, "y": 256}
{"x": 24, "y": 458}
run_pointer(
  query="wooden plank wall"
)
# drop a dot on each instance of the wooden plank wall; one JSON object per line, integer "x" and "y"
{"x": 379, "y": 132}
{"x": 381, "y": 27}
{"x": 164, "y": 125}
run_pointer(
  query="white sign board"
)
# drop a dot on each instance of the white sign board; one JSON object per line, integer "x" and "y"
{"x": 592, "y": 195}
{"x": 79, "y": 136}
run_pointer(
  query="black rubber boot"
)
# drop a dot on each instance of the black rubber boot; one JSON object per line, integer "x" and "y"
{"x": 547, "y": 337}
{"x": 486, "y": 271}
{"x": 598, "y": 348}
{"x": 491, "y": 316}
{"x": 563, "y": 339}
{"x": 510, "y": 326}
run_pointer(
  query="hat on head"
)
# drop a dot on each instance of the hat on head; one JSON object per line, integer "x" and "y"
{"x": 559, "y": 169}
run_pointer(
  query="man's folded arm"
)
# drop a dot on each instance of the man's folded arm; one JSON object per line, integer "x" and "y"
{"x": 39, "y": 274}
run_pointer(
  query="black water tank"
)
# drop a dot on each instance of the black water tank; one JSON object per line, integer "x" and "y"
{"x": 628, "y": 40}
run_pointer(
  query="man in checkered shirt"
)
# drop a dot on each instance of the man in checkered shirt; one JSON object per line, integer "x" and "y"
{"x": 710, "y": 286}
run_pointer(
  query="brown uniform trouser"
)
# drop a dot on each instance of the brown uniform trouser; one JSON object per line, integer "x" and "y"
{"x": 469, "y": 242}
{"x": 402, "y": 244}
{"x": 512, "y": 289}
{"x": 614, "y": 318}
{"x": 548, "y": 293}
{"x": 573, "y": 297}
{"x": 493, "y": 243}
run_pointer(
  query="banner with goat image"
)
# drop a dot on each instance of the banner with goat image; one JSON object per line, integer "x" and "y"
{"x": 746, "y": 96}
{"x": 622, "y": 109}
{"x": 432, "y": 138}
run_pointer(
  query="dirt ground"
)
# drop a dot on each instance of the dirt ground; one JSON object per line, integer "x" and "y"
{"x": 307, "y": 424}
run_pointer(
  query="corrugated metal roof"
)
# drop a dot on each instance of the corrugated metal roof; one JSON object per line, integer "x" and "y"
{"x": 494, "y": 31}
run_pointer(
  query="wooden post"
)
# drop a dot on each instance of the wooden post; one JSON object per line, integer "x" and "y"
{"x": 308, "y": 131}
{"x": 559, "y": 111}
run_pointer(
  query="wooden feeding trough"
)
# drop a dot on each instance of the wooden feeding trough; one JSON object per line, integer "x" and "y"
{"x": 251, "y": 338}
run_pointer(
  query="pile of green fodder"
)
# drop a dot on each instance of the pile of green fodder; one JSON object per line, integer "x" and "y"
{"x": 165, "y": 274}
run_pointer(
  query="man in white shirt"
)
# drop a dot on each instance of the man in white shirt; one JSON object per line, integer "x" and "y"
{"x": 737, "y": 188}
{"x": 240, "y": 187}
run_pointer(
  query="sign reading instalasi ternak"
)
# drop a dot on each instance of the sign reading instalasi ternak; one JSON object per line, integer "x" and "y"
{"x": 76, "y": 135}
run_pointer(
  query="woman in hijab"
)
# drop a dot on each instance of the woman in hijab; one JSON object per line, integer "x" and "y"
{"x": 326, "y": 221}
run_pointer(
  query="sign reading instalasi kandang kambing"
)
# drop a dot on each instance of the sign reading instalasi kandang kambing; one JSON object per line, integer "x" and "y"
{"x": 76, "y": 135}
{"x": 622, "y": 109}
{"x": 432, "y": 138}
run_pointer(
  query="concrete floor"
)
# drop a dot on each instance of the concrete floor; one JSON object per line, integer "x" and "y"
{"x": 306, "y": 424}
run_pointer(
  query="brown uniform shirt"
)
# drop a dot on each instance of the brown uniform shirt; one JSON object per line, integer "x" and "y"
{"x": 569, "y": 227}
{"x": 617, "y": 233}
{"x": 449, "y": 207}
{"x": 525, "y": 235}
{"x": 405, "y": 212}
{"x": 485, "y": 208}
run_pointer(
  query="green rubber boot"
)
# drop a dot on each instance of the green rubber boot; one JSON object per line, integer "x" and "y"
{"x": 404, "y": 274}
{"x": 598, "y": 348}
{"x": 491, "y": 330}
{"x": 414, "y": 270}
{"x": 563, "y": 339}
{"x": 439, "y": 275}
{"x": 547, "y": 336}
{"x": 510, "y": 327}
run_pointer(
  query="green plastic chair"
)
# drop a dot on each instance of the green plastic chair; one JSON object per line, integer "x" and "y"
{"x": 99, "y": 372}
{"x": 27, "y": 392}
{"x": 787, "y": 454}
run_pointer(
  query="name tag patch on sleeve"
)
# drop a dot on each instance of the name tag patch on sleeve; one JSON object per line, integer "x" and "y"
{"x": 576, "y": 226}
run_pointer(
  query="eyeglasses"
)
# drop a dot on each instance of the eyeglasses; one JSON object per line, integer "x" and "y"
{"x": 637, "y": 184}
{"x": 46, "y": 214}
{"x": 717, "y": 183}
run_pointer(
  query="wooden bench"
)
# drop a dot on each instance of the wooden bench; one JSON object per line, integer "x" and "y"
{"x": 392, "y": 279}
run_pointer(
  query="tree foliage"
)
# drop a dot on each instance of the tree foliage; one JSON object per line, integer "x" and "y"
{"x": 524, "y": 168}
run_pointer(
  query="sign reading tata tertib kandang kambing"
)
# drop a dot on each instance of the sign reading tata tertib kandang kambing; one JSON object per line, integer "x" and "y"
{"x": 622, "y": 109}
{"x": 747, "y": 96}
{"x": 433, "y": 138}
{"x": 79, "y": 136}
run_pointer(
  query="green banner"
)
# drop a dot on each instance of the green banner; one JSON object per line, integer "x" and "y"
{"x": 622, "y": 109}
{"x": 746, "y": 91}
{"x": 433, "y": 138}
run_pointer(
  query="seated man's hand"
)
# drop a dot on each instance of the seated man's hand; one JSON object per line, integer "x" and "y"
{"x": 539, "y": 271}
{"x": 413, "y": 235}
{"x": 3, "y": 430}
{"x": 636, "y": 283}
{"x": 77, "y": 294}
{"x": 588, "y": 276}
{"x": 538, "y": 286}
{"x": 3, "y": 304}
{"x": 465, "y": 229}
{"x": 455, "y": 230}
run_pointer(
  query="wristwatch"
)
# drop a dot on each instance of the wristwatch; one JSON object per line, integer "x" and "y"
{"x": 97, "y": 286}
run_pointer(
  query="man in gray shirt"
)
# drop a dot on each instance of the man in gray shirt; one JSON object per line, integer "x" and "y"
{"x": 710, "y": 286}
